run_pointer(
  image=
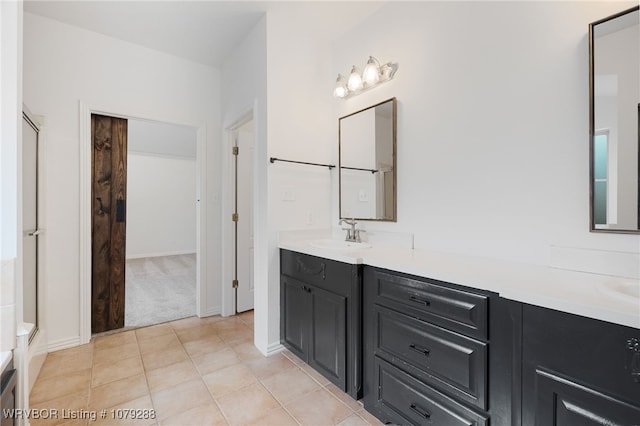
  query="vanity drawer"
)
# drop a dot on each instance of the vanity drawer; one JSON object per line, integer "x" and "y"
{"x": 324, "y": 273}
{"x": 430, "y": 300}
{"x": 448, "y": 361}
{"x": 404, "y": 400}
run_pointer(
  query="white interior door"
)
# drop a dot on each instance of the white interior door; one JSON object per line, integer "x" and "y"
{"x": 29, "y": 221}
{"x": 245, "y": 213}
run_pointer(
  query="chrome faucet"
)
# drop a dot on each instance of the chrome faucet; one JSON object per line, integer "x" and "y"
{"x": 353, "y": 234}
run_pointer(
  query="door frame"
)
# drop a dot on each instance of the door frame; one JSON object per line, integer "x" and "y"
{"x": 35, "y": 123}
{"x": 228, "y": 251}
{"x": 39, "y": 338}
{"x": 86, "y": 150}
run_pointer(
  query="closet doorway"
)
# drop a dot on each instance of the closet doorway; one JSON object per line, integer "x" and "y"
{"x": 238, "y": 233}
{"x": 144, "y": 222}
{"x": 244, "y": 137}
{"x": 161, "y": 223}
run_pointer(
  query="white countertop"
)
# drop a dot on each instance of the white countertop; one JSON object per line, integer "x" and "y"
{"x": 578, "y": 293}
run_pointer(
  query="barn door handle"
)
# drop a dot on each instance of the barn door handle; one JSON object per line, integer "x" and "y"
{"x": 120, "y": 210}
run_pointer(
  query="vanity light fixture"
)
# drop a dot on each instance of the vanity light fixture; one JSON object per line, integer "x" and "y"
{"x": 355, "y": 80}
{"x": 341, "y": 90}
{"x": 374, "y": 74}
{"x": 371, "y": 73}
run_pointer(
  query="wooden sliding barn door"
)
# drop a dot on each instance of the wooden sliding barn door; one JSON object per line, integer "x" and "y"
{"x": 109, "y": 194}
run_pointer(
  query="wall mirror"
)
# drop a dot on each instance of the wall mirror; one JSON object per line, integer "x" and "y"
{"x": 614, "y": 114}
{"x": 367, "y": 163}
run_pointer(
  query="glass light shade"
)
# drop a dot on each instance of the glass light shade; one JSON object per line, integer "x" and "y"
{"x": 340, "y": 90}
{"x": 371, "y": 73}
{"x": 355, "y": 80}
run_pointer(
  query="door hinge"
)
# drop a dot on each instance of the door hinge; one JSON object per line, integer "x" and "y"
{"x": 234, "y": 217}
{"x": 235, "y": 150}
{"x": 234, "y": 283}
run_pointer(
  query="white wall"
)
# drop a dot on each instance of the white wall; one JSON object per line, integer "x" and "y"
{"x": 244, "y": 88}
{"x": 293, "y": 122}
{"x": 154, "y": 137}
{"x": 64, "y": 65}
{"x": 161, "y": 205}
{"x": 299, "y": 128}
{"x": 492, "y": 124}
{"x": 10, "y": 135}
{"x": 161, "y": 189}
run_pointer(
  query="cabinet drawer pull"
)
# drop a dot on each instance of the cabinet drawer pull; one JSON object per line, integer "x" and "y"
{"x": 419, "y": 349}
{"x": 421, "y": 413}
{"x": 306, "y": 270}
{"x": 419, "y": 300}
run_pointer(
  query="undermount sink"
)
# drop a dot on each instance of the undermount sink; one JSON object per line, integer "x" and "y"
{"x": 627, "y": 290}
{"x": 339, "y": 244}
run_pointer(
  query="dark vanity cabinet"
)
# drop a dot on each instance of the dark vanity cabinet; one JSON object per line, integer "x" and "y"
{"x": 320, "y": 316}
{"x": 425, "y": 352}
{"x": 429, "y": 352}
{"x": 442, "y": 354}
{"x": 579, "y": 371}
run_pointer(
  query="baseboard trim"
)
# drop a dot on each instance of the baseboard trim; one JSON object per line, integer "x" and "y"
{"x": 211, "y": 312}
{"x": 60, "y": 344}
{"x": 37, "y": 354}
{"x": 168, "y": 253}
{"x": 275, "y": 348}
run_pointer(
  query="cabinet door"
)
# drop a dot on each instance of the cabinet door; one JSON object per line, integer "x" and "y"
{"x": 577, "y": 371}
{"x": 328, "y": 334}
{"x": 562, "y": 402}
{"x": 8, "y": 398}
{"x": 295, "y": 316}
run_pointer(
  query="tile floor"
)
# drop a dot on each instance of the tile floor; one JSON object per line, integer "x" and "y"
{"x": 191, "y": 372}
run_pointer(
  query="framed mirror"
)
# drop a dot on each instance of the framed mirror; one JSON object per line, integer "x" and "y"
{"x": 614, "y": 114}
{"x": 367, "y": 163}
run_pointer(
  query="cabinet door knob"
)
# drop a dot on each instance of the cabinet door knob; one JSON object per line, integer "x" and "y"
{"x": 633, "y": 345}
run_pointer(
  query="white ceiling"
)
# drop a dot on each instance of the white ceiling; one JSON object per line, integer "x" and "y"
{"x": 201, "y": 31}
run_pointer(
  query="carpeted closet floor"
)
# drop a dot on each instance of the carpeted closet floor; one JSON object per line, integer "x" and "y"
{"x": 159, "y": 289}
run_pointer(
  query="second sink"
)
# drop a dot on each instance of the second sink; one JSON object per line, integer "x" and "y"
{"x": 627, "y": 290}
